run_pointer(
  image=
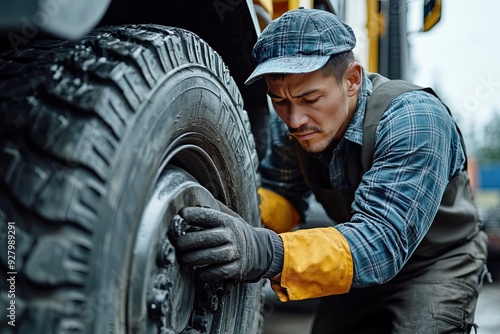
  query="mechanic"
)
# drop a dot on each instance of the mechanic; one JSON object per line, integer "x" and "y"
{"x": 406, "y": 253}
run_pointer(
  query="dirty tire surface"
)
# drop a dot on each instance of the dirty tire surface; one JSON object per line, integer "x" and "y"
{"x": 87, "y": 130}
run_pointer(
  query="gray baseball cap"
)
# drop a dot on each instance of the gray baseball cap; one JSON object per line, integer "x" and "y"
{"x": 300, "y": 41}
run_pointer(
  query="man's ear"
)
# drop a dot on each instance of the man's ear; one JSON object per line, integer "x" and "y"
{"x": 353, "y": 76}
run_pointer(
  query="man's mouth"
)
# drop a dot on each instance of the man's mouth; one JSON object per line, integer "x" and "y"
{"x": 304, "y": 135}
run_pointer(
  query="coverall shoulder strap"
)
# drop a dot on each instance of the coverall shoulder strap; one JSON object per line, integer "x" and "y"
{"x": 384, "y": 92}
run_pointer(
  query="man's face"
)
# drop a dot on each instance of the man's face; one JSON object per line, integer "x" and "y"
{"x": 314, "y": 106}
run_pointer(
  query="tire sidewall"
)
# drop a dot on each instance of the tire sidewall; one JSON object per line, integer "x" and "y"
{"x": 190, "y": 99}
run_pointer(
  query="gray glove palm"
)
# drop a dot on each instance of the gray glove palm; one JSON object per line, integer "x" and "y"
{"x": 223, "y": 245}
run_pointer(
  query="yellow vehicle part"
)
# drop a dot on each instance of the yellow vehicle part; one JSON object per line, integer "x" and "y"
{"x": 266, "y": 4}
{"x": 433, "y": 16}
{"x": 277, "y": 7}
{"x": 375, "y": 26}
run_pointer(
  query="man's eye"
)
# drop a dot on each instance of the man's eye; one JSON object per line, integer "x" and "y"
{"x": 279, "y": 102}
{"x": 311, "y": 101}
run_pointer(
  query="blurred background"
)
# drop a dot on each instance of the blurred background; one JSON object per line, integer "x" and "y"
{"x": 460, "y": 59}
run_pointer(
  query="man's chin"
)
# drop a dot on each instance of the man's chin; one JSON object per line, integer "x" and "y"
{"x": 312, "y": 146}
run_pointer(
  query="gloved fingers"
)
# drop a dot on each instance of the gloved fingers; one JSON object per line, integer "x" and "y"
{"x": 203, "y": 217}
{"x": 209, "y": 256}
{"x": 219, "y": 271}
{"x": 203, "y": 239}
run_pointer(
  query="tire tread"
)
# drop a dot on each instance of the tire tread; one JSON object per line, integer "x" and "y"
{"x": 64, "y": 109}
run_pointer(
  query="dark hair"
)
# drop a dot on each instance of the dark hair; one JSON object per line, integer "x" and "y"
{"x": 336, "y": 66}
{"x": 277, "y": 76}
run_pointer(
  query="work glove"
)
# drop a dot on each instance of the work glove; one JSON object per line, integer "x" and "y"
{"x": 221, "y": 245}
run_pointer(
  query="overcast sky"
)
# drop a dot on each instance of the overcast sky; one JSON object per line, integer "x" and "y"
{"x": 460, "y": 57}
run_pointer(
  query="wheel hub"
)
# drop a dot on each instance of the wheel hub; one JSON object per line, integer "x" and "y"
{"x": 162, "y": 293}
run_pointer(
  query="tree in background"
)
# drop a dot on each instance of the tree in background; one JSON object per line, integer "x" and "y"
{"x": 489, "y": 149}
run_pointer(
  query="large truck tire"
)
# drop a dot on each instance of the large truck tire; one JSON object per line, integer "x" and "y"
{"x": 102, "y": 142}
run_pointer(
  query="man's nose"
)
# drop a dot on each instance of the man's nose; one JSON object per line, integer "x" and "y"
{"x": 296, "y": 116}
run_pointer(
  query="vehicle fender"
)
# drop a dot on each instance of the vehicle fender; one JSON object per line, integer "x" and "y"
{"x": 67, "y": 19}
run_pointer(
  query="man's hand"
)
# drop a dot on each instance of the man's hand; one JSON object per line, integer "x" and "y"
{"x": 222, "y": 245}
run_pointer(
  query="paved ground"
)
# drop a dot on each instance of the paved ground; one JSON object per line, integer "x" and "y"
{"x": 488, "y": 309}
{"x": 487, "y": 315}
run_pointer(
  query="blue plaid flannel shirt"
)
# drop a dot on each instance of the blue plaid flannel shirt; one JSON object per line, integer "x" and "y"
{"x": 417, "y": 151}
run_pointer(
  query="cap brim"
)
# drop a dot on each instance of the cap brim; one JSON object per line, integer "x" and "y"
{"x": 287, "y": 65}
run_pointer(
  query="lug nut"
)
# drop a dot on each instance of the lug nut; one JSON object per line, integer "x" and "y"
{"x": 156, "y": 305}
{"x": 178, "y": 226}
{"x": 166, "y": 254}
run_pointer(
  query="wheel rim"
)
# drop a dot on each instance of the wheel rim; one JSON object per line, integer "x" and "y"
{"x": 162, "y": 295}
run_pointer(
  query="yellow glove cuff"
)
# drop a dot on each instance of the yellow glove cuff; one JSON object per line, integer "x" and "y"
{"x": 317, "y": 263}
{"x": 276, "y": 212}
